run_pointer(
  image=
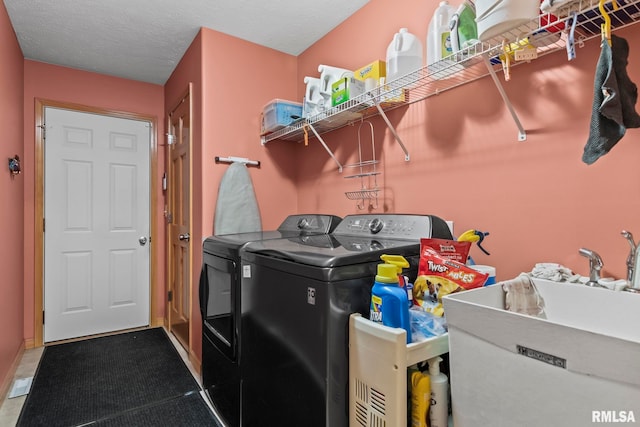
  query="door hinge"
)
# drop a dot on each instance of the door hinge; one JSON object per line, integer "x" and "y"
{"x": 43, "y": 227}
{"x": 44, "y": 131}
{"x": 43, "y": 317}
{"x": 170, "y": 296}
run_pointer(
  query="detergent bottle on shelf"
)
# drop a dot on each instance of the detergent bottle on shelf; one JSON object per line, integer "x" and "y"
{"x": 404, "y": 55}
{"x": 312, "y": 97}
{"x": 439, "y": 43}
{"x": 389, "y": 301}
{"x": 464, "y": 30}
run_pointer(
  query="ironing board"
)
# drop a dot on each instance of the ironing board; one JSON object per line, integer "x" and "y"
{"x": 236, "y": 208}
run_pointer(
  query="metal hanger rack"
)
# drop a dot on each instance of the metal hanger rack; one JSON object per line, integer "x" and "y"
{"x": 367, "y": 173}
{"x": 466, "y": 66}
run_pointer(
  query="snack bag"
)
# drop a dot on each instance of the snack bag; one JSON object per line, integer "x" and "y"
{"x": 439, "y": 276}
{"x": 450, "y": 249}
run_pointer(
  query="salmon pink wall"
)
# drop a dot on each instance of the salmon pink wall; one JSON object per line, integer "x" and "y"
{"x": 240, "y": 78}
{"x": 538, "y": 200}
{"x": 232, "y": 80}
{"x": 60, "y": 84}
{"x": 12, "y": 193}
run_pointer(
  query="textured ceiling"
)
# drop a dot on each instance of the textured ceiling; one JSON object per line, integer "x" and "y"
{"x": 145, "y": 39}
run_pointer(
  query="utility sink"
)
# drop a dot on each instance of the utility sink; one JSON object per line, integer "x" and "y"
{"x": 577, "y": 366}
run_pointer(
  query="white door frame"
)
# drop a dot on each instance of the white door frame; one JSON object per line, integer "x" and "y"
{"x": 39, "y": 207}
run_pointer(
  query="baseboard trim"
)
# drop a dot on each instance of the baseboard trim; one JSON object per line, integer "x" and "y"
{"x": 195, "y": 362}
{"x": 8, "y": 380}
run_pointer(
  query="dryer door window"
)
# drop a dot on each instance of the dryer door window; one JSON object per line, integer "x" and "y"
{"x": 219, "y": 315}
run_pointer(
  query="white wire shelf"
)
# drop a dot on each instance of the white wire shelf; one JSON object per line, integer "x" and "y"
{"x": 468, "y": 65}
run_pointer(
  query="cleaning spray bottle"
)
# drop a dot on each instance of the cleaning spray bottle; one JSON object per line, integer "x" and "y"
{"x": 439, "y": 413}
{"x": 389, "y": 301}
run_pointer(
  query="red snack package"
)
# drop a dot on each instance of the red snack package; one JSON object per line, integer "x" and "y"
{"x": 439, "y": 276}
{"x": 450, "y": 249}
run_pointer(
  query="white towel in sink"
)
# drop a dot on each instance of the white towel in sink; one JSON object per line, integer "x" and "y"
{"x": 555, "y": 272}
{"x": 522, "y": 296}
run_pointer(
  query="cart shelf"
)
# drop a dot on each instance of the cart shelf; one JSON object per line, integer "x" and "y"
{"x": 378, "y": 360}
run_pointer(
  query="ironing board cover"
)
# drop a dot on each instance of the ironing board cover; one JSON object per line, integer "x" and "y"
{"x": 236, "y": 208}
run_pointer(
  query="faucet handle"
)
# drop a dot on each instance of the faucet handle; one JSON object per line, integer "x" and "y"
{"x": 631, "y": 259}
{"x": 594, "y": 258}
{"x": 627, "y": 235}
{"x": 595, "y": 265}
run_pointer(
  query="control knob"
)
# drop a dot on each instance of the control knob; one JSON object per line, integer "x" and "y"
{"x": 376, "y": 225}
{"x": 303, "y": 224}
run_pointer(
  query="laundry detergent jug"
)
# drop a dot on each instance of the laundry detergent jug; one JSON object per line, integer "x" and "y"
{"x": 389, "y": 301}
{"x": 328, "y": 76}
{"x": 312, "y": 97}
{"x": 439, "y": 43}
{"x": 404, "y": 55}
{"x": 464, "y": 30}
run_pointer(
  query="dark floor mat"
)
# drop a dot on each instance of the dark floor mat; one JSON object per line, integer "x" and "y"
{"x": 185, "y": 411}
{"x": 80, "y": 382}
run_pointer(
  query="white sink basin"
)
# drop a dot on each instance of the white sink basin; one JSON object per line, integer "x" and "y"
{"x": 510, "y": 369}
{"x": 599, "y": 310}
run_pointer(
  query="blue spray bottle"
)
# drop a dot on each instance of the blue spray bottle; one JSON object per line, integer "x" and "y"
{"x": 389, "y": 301}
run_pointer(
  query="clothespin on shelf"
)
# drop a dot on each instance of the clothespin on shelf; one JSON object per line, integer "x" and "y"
{"x": 306, "y": 134}
{"x": 506, "y": 61}
{"x": 605, "y": 28}
{"x": 571, "y": 37}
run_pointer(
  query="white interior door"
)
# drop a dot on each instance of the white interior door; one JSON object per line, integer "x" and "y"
{"x": 97, "y": 224}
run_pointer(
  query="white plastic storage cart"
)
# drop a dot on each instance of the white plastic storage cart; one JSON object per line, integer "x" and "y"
{"x": 378, "y": 360}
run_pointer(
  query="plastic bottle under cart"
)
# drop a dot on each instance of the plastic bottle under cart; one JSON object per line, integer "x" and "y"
{"x": 439, "y": 410}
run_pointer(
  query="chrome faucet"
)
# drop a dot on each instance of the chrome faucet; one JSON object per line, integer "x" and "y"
{"x": 595, "y": 265}
{"x": 633, "y": 278}
{"x": 631, "y": 259}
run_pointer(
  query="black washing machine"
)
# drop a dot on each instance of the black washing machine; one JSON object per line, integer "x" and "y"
{"x": 297, "y": 296}
{"x": 219, "y": 293}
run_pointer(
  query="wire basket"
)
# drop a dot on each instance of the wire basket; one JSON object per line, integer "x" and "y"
{"x": 362, "y": 194}
{"x": 367, "y": 172}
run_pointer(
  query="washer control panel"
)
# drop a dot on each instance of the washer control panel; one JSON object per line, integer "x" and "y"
{"x": 319, "y": 224}
{"x": 389, "y": 226}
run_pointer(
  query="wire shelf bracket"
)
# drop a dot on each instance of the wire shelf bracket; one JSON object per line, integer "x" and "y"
{"x": 315, "y": 132}
{"x": 522, "y": 134}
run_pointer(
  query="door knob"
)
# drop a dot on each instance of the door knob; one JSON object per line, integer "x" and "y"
{"x": 142, "y": 240}
{"x": 184, "y": 237}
